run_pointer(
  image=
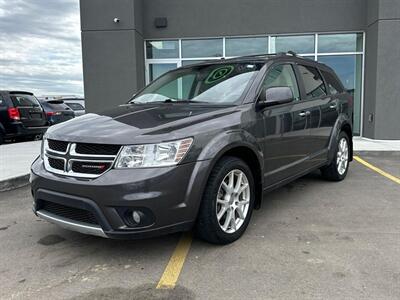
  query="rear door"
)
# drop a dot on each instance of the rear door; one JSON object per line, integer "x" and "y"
{"x": 314, "y": 92}
{"x": 31, "y": 112}
{"x": 286, "y": 128}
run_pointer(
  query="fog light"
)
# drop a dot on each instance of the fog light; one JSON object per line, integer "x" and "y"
{"x": 136, "y": 216}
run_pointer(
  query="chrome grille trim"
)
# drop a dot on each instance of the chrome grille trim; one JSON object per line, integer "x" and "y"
{"x": 71, "y": 156}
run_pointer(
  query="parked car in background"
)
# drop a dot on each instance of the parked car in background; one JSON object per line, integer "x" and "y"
{"x": 57, "y": 111}
{"x": 21, "y": 116}
{"x": 76, "y": 104}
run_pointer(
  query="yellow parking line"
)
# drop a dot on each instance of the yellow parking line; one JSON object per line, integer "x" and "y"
{"x": 383, "y": 173}
{"x": 175, "y": 264}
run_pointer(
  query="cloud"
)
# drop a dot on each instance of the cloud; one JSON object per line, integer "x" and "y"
{"x": 40, "y": 47}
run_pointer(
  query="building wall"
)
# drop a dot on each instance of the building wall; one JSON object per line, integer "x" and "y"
{"x": 382, "y": 75}
{"x": 112, "y": 53}
{"x": 194, "y": 18}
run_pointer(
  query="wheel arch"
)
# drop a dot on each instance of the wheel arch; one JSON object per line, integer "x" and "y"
{"x": 242, "y": 146}
{"x": 343, "y": 123}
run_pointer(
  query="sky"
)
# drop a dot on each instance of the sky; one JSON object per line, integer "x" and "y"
{"x": 40, "y": 47}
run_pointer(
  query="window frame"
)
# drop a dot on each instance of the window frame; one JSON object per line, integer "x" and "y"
{"x": 303, "y": 89}
{"x": 268, "y": 69}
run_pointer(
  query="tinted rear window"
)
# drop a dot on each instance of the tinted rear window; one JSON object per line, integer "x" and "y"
{"x": 24, "y": 100}
{"x": 334, "y": 86}
{"x": 313, "y": 83}
{"x": 75, "y": 106}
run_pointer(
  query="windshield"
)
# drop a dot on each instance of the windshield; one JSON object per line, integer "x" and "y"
{"x": 213, "y": 83}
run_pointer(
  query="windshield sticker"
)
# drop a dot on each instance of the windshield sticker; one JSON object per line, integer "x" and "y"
{"x": 218, "y": 74}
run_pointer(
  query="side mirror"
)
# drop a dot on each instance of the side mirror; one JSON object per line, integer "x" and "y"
{"x": 275, "y": 95}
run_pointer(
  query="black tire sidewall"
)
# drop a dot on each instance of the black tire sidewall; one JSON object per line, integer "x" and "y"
{"x": 223, "y": 168}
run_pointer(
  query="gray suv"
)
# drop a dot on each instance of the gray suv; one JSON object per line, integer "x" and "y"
{"x": 197, "y": 147}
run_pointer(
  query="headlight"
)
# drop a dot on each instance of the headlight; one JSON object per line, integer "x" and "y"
{"x": 153, "y": 155}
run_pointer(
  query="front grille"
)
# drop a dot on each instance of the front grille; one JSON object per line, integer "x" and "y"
{"x": 82, "y": 160}
{"x": 97, "y": 149}
{"x": 72, "y": 213}
{"x": 90, "y": 167}
{"x": 59, "y": 146}
{"x": 56, "y": 163}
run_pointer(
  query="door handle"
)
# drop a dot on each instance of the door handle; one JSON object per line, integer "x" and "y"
{"x": 333, "y": 105}
{"x": 304, "y": 114}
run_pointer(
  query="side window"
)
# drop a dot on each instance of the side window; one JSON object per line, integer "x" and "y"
{"x": 282, "y": 75}
{"x": 334, "y": 87}
{"x": 2, "y": 102}
{"x": 313, "y": 83}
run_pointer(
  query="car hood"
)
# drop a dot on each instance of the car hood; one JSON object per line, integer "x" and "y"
{"x": 132, "y": 124}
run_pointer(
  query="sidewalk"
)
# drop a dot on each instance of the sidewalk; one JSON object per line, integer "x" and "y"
{"x": 16, "y": 159}
{"x": 15, "y": 162}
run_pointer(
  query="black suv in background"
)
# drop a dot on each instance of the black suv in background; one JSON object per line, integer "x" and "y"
{"x": 21, "y": 116}
{"x": 197, "y": 147}
{"x": 57, "y": 111}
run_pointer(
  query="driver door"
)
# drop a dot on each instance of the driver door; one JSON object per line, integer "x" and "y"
{"x": 286, "y": 128}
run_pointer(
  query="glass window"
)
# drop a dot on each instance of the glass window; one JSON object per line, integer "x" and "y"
{"x": 349, "y": 69}
{"x": 75, "y": 106}
{"x": 246, "y": 46}
{"x": 282, "y": 75}
{"x": 162, "y": 49}
{"x": 24, "y": 100}
{"x": 214, "y": 83}
{"x": 346, "y": 42}
{"x": 202, "y": 48}
{"x": 313, "y": 84}
{"x": 297, "y": 43}
{"x": 1, "y": 101}
{"x": 334, "y": 87}
{"x": 156, "y": 70}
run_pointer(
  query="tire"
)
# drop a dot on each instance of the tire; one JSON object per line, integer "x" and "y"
{"x": 1, "y": 138}
{"x": 208, "y": 226}
{"x": 334, "y": 171}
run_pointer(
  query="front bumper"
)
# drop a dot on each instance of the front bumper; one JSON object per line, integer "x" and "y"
{"x": 169, "y": 197}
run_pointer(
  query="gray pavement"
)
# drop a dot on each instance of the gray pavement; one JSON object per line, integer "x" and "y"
{"x": 310, "y": 240}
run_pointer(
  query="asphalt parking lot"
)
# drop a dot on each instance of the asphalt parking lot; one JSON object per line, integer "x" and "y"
{"x": 310, "y": 240}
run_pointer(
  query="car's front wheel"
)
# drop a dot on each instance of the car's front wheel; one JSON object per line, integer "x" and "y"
{"x": 227, "y": 203}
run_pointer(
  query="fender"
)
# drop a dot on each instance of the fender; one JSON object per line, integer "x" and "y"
{"x": 341, "y": 121}
{"x": 226, "y": 141}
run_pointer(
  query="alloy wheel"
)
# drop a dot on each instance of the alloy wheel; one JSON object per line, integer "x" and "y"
{"x": 233, "y": 201}
{"x": 342, "y": 157}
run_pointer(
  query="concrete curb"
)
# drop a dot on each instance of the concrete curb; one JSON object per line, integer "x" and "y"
{"x": 14, "y": 183}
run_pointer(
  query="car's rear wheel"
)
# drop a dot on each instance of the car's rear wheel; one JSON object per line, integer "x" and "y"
{"x": 337, "y": 169}
{"x": 1, "y": 138}
{"x": 227, "y": 203}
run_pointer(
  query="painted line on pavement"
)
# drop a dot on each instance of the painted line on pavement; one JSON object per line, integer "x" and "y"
{"x": 377, "y": 170}
{"x": 172, "y": 271}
